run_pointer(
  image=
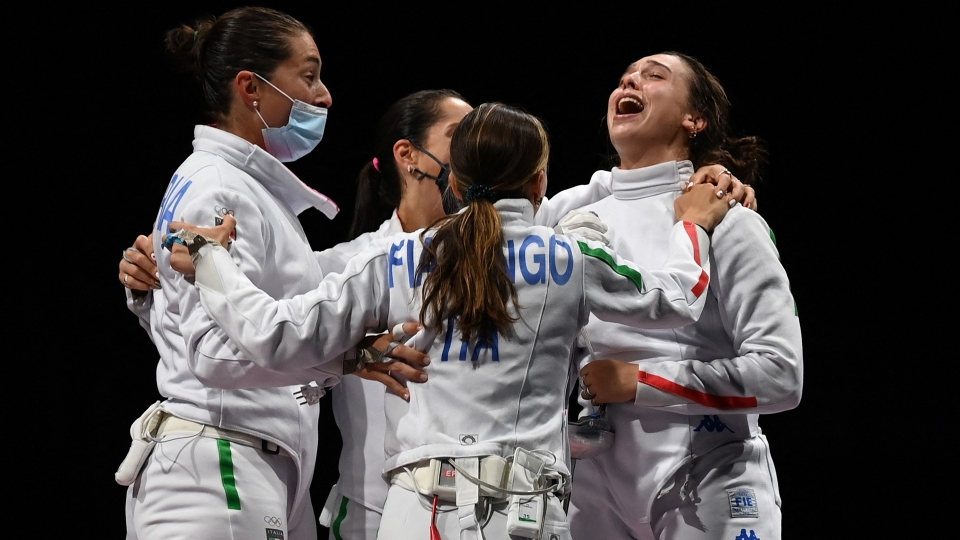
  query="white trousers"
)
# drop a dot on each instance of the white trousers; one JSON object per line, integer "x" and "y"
{"x": 352, "y": 520}
{"x": 406, "y": 516}
{"x": 197, "y": 487}
{"x": 731, "y": 493}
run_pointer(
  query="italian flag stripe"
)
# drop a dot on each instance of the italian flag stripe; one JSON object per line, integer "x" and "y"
{"x": 703, "y": 398}
{"x": 624, "y": 271}
{"x": 701, "y": 285}
{"x": 226, "y": 475}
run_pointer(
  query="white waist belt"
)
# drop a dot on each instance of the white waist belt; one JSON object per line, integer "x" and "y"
{"x": 172, "y": 424}
{"x": 494, "y": 470}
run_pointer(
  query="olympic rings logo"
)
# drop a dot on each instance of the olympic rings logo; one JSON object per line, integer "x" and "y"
{"x": 275, "y": 521}
{"x": 223, "y": 211}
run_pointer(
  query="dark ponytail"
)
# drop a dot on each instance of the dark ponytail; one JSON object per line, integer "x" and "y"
{"x": 216, "y": 49}
{"x": 379, "y": 191}
{"x": 495, "y": 152}
{"x": 744, "y": 156}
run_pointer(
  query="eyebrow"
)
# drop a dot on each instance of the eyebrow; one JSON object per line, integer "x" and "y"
{"x": 313, "y": 59}
{"x": 664, "y": 66}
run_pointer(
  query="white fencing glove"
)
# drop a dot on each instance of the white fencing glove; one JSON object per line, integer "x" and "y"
{"x": 584, "y": 224}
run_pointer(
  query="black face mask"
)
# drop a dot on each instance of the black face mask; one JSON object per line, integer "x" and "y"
{"x": 451, "y": 204}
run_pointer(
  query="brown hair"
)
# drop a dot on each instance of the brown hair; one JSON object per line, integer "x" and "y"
{"x": 714, "y": 145}
{"x": 380, "y": 188}
{"x": 494, "y": 153}
{"x": 249, "y": 38}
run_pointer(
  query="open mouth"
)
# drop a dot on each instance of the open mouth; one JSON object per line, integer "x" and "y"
{"x": 629, "y": 105}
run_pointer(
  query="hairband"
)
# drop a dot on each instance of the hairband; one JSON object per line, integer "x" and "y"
{"x": 480, "y": 191}
{"x": 376, "y": 164}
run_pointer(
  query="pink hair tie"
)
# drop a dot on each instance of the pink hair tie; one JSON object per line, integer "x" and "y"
{"x": 376, "y": 164}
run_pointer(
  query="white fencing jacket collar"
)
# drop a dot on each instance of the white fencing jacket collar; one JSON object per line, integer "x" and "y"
{"x": 266, "y": 169}
{"x": 650, "y": 181}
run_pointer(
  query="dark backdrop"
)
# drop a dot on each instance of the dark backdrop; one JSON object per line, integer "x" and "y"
{"x": 779, "y": 67}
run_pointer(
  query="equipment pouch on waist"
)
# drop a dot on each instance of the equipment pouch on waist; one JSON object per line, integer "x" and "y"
{"x": 142, "y": 433}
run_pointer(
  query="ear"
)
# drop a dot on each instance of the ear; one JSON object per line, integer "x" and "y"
{"x": 694, "y": 123}
{"x": 454, "y": 188}
{"x": 403, "y": 154}
{"x": 537, "y": 188}
{"x": 247, "y": 87}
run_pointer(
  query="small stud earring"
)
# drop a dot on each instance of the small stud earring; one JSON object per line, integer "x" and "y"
{"x": 255, "y": 102}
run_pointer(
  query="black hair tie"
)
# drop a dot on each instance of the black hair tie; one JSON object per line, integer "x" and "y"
{"x": 480, "y": 191}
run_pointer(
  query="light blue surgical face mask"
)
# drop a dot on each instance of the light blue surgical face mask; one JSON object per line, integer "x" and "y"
{"x": 302, "y": 133}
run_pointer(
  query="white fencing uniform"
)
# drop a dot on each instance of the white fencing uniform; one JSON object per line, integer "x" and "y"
{"x": 204, "y": 487}
{"x": 482, "y": 399}
{"x": 689, "y": 460}
{"x": 358, "y": 403}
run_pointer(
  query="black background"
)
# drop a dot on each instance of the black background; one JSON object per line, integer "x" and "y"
{"x": 790, "y": 73}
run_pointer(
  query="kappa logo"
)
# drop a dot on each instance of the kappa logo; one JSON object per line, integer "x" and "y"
{"x": 274, "y": 534}
{"x": 743, "y": 535}
{"x": 713, "y": 424}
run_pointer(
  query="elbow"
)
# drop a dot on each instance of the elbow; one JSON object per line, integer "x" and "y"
{"x": 790, "y": 388}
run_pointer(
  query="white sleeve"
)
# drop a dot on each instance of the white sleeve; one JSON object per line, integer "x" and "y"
{"x": 621, "y": 292}
{"x": 304, "y": 332}
{"x": 553, "y": 209}
{"x": 335, "y": 259}
{"x": 758, "y": 313}
{"x": 213, "y": 358}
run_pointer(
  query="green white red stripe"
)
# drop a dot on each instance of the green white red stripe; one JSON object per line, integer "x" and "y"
{"x": 691, "y": 229}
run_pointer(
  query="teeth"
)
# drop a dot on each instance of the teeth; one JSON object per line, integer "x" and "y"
{"x": 629, "y": 105}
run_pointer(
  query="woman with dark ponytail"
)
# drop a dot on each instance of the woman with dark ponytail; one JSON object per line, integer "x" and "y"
{"x": 689, "y": 460}
{"x": 480, "y": 444}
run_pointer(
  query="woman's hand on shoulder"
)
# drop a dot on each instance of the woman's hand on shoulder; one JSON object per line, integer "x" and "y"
{"x": 704, "y": 205}
{"x": 138, "y": 267}
{"x": 719, "y": 176}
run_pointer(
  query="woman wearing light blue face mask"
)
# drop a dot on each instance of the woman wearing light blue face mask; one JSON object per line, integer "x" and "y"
{"x": 211, "y": 461}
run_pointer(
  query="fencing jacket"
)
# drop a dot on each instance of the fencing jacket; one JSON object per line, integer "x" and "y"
{"x": 228, "y": 175}
{"x": 703, "y": 385}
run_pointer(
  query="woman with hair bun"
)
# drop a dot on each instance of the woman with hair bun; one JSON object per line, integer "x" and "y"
{"x": 500, "y": 300}
{"x": 689, "y": 460}
{"x": 230, "y": 452}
